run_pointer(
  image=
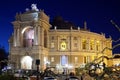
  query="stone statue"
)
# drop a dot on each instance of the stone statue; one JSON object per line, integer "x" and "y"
{"x": 34, "y": 7}
{"x": 17, "y": 17}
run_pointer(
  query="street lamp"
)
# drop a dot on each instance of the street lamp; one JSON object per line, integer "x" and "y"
{"x": 37, "y": 63}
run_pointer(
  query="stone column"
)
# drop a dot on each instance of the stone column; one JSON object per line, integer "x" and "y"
{"x": 58, "y": 42}
{"x": 88, "y": 44}
{"x": 71, "y": 43}
{"x": 42, "y": 37}
{"x": 47, "y": 39}
{"x": 15, "y": 36}
{"x": 16, "y": 25}
{"x": 38, "y": 35}
{"x": 35, "y": 34}
{"x": 78, "y": 43}
{"x": 18, "y": 36}
{"x": 81, "y": 43}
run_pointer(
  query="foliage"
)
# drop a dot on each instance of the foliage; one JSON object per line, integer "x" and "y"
{"x": 7, "y": 77}
{"x": 2, "y": 53}
{"x": 79, "y": 71}
{"x": 3, "y": 58}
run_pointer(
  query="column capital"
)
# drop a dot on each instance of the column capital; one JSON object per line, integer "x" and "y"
{"x": 16, "y": 23}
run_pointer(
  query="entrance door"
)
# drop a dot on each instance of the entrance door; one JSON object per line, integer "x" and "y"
{"x": 26, "y": 62}
{"x": 64, "y": 60}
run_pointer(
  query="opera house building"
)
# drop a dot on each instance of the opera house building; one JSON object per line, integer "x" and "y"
{"x": 59, "y": 43}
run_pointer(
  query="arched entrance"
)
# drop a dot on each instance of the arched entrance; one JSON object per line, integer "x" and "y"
{"x": 26, "y": 62}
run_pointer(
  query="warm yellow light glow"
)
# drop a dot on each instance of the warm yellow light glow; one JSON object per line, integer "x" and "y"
{"x": 26, "y": 62}
{"x": 91, "y": 44}
{"x": 84, "y": 44}
{"x": 63, "y": 45}
{"x": 98, "y": 41}
{"x": 25, "y": 29}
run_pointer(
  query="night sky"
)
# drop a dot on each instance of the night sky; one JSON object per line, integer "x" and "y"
{"x": 97, "y": 13}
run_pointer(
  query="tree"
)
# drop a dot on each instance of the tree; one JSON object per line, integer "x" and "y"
{"x": 3, "y": 58}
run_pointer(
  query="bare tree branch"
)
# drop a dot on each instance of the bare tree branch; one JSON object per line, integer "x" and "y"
{"x": 116, "y": 40}
{"x": 115, "y": 25}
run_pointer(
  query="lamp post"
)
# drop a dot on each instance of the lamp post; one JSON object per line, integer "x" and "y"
{"x": 37, "y": 64}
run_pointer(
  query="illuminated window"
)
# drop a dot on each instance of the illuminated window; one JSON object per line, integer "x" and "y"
{"x": 52, "y": 45}
{"x": 52, "y": 59}
{"x": 64, "y": 60}
{"x": 92, "y": 45}
{"x": 75, "y": 41}
{"x": 84, "y": 44}
{"x": 97, "y": 45}
{"x": 45, "y": 59}
{"x": 86, "y": 59}
{"x": 63, "y": 45}
{"x": 76, "y": 59}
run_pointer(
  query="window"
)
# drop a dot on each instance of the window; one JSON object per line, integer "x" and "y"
{"x": 52, "y": 38}
{"x": 76, "y": 59}
{"x": 86, "y": 59}
{"x": 91, "y": 44}
{"x": 75, "y": 44}
{"x": 52, "y": 45}
{"x": 75, "y": 41}
{"x": 52, "y": 59}
{"x": 64, "y": 60}
{"x": 84, "y": 44}
{"x": 97, "y": 45}
{"x": 63, "y": 45}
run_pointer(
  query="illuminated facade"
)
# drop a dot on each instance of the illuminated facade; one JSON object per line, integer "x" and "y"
{"x": 116, "y": 60}
{"x": 35, "y": 38}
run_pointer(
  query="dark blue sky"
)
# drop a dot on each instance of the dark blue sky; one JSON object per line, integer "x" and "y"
{"x": 97, "y": 13}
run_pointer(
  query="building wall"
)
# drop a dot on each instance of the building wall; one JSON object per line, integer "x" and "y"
{"x": 53, "y": 46}
{"x": 74, "y": 46}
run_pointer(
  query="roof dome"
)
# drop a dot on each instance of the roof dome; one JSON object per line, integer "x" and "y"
{"x": 62, "y": 24}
